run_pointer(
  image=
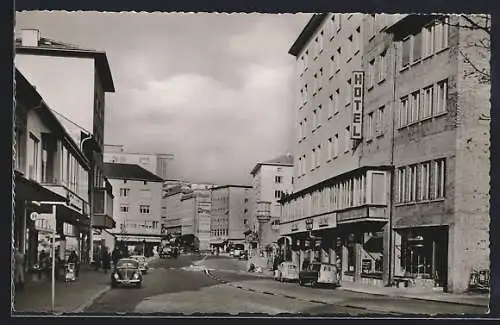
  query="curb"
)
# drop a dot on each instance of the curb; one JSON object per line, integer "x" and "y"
{"x": 89, "y": 302}
{"x": 345, "y": 289}
{"x": 418, "y": 298}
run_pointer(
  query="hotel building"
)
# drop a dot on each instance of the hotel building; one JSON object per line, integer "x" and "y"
{"x": 392, "y": 151}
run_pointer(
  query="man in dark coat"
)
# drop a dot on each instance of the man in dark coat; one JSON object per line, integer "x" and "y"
{"x": 115, "y": 256}
{"x": 106, "y": 260}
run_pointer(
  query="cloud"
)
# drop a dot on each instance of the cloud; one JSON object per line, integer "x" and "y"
{"x": 213, "y": 89}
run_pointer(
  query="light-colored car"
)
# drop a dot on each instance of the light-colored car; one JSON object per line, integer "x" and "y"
{"x": 143, "y": 264}
{"x": 287, "y": 271}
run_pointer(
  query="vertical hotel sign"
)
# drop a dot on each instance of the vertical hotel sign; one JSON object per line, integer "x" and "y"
{"x": 357, "y": 105}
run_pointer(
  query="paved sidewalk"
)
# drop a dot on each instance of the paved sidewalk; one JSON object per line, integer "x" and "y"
{"x": 69, "y": 297}
{"x": 481, "y": 300}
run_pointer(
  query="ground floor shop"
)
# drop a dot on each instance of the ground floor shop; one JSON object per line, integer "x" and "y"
{"x": 139, "y": 244}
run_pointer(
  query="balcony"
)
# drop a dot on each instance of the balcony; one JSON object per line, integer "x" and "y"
{"x": 103, "y": 208}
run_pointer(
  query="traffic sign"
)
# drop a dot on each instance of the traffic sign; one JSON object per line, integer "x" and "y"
{"x": 34, "y": 216}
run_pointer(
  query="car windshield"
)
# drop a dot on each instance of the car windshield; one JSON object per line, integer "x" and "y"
{"x": 127, "y": 263}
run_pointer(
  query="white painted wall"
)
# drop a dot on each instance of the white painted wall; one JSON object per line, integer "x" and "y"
{"x": 66, "y": 85}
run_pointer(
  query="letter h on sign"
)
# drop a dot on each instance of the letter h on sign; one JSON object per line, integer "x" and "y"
{"x": 357, "y": 108}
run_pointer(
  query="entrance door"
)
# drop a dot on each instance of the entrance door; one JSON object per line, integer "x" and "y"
{"x": 441, "y": 258}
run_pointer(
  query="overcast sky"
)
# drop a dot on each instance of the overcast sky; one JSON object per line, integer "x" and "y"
{"x": 216, "y": 90}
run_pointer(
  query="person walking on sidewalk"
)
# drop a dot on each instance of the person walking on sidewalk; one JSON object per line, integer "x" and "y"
{"x": 106, "y": 260}
{"x": 19, "y": 269}
{"x": 43, "y": 259}
{"x": 115, "y": 256}
{"x": 73, "y": 258}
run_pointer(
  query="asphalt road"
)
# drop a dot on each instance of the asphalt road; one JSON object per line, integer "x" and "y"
{"x": 172, "y": 286}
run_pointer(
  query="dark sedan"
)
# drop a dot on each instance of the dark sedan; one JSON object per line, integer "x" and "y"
{"x": 127, "y": 273}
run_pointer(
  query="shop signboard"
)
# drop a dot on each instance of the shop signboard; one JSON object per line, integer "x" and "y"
{"x": 357, "y": 102}
{"x": 309, "y": 223}
{"x": 75, "y": 202}
{"x": 323, "y": 221}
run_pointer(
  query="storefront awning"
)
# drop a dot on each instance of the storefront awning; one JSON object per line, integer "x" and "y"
{"x": 133, "y": 238}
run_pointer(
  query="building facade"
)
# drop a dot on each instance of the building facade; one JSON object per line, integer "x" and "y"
{"x": 50, "y": 172}
{"x": 270, "y": 180}
{"x": 137, "y": 205}
{"x": 230, "y": 215}
{"x": 195, "y": 208}
{"x": 386, "y": 116}
{"x": 48, "y": 65}
{"x": 156, "y": 163}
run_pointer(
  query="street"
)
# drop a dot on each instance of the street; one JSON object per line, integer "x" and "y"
{"x": 176, "y": 286}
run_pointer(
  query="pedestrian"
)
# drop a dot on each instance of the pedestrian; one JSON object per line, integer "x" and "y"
{"x": 115, "y": 256}
{"x": 19, "y": 269}
{"x": 106, "y": 260}
{"x": 43, "y": 260}
{"x": 73, "y": 258}
{"x": 97, "y": 260}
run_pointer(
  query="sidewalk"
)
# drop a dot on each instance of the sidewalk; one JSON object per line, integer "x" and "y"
{"x": 481, "y": 300}
{"x": 69, "y": 297}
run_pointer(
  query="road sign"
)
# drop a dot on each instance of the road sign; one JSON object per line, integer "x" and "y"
{"x": 34, "y": 216}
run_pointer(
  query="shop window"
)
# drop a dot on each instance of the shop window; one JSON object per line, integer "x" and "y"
{"x": 417, "y": 257}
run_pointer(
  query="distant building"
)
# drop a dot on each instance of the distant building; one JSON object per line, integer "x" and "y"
{"x": 195, "y": 208}
{"x": 230, "y": 214}
{"x": 156, "y": 163}
{"x": 271, "y": 179}
{"x": 137, "y": 204}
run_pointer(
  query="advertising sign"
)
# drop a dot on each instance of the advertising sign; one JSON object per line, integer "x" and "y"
{"x": 357, "y": 105}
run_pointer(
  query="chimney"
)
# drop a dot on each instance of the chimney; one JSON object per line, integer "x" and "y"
{"x": 30, "y": 37}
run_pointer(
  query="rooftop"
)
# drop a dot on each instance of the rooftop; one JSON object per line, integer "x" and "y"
{"x": 129, "y": 172}
{"x": 47, "y": 46}
{"x": 283, "y": 160}
{"x": 304, "y": 36}
{"x": 227, "y": 186}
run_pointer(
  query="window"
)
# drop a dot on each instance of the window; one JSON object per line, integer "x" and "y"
{"x": 320, "y": 42}
{"x": 304, "y": 164}
{"x": 305, "y": 128}
{"x": 146, "y": 194}
{"x": 315, "y": 84}
{"x": 417, "y": 47}
{"x": 305, "y": 93}
{"x": 425, "y": 178}
{"x": 145, "y": 182}
{"x": 382, "y": 69}
{"x": 403, "y": 112}
{"x": 380, "y": 121}
{"x": 331, "y": 106}
{"x": 336, "y": 101}
{"x": 441, "y": 35}
{"x": 335, "y": 145}
{"x": 439, "y": 178}
{"x": 428, "y": 40}
{"x": 277, "y": 179}
{"x": 350, "y": 48}
{"x": 313, "y": 159}
{"x": 402, "y": 185}
{"x": 329, "y": 149}
{"x": 333, "y": 66}
{"x": 427, "y": 102}
{"x": 124, "y": 208}
{"x": 320, "y": 79}
{"x": 318, "y": 118}
{"x": 144, "y": 209}
{"x": 300, "y": 130}
{"x": 369, "y": 126}
{"x": 441, "y": 96}
{"x": 412, "y": 183}
{"x": 318, "y": 155}
{"x": 371, "y": 74}
{"x": 33, "y": 146}
{"x": 124, "y": 192}
{"x": 414, "y": 107}
{"x": 347, "y": 142}
{"x": 371, "y": 26}
{"x": 406, "y": 48}
{"x": 315, "y": 120}
{"x": 378, "y": 188}
{"x": 277, "y": 194}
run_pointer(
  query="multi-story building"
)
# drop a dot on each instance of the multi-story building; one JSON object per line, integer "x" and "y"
{"x": 137, "y": 204}
{"x": 171, "y": 211}
{"x": 230, "y": 215}
{"x": 157, "y": 163}
{"x": 195, "y": 217}
{"x": 389, "y": 127}
{"x": 271, "y": 179}
{"x": 79, "y": 105}
{"x": 51, "y": 172}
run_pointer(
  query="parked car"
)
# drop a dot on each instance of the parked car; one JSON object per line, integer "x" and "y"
{"x": 143, "y": 264}
{"x": 287, "y": 271}
{"x": 126, "y": 273}
{"x": 317, "y": 274}
{"x": 231, "y": 252}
